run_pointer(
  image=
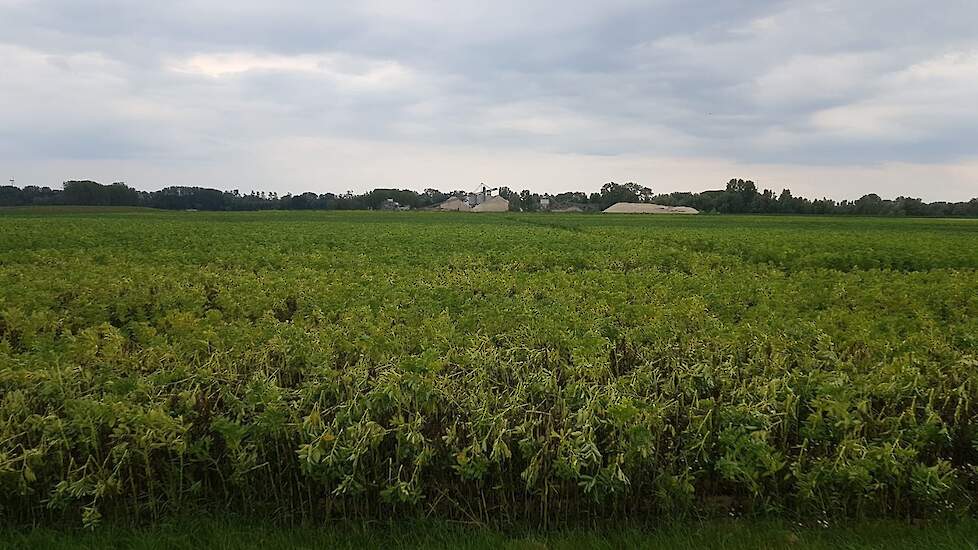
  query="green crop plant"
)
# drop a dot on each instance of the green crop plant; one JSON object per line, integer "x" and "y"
{"x": 497, "y": 369}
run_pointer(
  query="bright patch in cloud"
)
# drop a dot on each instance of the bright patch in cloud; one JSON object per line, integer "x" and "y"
{"x": 347, "y": 70}
{"x": 913, "y": 103}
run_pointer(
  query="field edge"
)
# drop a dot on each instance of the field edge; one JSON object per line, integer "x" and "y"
{"x": 236, "y": 533}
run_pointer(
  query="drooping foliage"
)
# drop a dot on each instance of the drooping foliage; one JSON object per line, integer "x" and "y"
{"x": 544, "y": 367}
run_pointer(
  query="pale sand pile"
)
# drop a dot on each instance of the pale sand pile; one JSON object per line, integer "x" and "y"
{"x": 492, "y": 204}
{"x": 648, "y": 208}
{"x": 453, "y": 203}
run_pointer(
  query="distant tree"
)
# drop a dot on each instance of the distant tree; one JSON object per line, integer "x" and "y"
{"x": 823, "y": 206}
{"x": 907, "y": 206}
{"x": 529, "y": 202}
{"x": 740, "y": 196}
{"x": 305, "y": 201}
{"x": 515, "y": 201}
{"x": 433, "y": 196}
{"x": 612, "y": 193}
{"x": 869, "y": 205}
{"x": 13, "y": 196}
{"x": 763, "y": 203}
{"x": 644, "y": 194}
{"x": 189, "y": 198}
{"x": 90, "y": 193}
{"x": 572, "y": 196}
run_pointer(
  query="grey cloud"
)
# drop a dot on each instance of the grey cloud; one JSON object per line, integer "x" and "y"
{"x": 783, "y": 82}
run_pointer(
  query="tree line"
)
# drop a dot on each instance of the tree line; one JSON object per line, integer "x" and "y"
{"x": 738, "y": 197}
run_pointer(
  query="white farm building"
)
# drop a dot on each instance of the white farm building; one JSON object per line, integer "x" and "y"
{"x": 483, "y": 201}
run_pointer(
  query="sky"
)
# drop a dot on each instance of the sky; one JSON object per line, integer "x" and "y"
{"x": 828, "y": 98}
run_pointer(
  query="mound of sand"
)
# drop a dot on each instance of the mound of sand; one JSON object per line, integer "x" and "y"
{"x": 492, "y": 204}
{"x": 454, "y": 203}
{"x": 648, "y": 208}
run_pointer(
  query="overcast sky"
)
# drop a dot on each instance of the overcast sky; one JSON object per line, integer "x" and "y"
{"x": 828, "y": 98}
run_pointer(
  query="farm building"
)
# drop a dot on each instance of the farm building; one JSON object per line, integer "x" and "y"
{"x": 648, "y": 208}
{"x": 454, "y": 204}
{"x": 492, "y": 204}
{"x": 391, "y": 204}
{"x": 479, "y": 201}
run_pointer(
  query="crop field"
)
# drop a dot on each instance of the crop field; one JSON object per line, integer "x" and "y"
{"x": 487, "y": 368}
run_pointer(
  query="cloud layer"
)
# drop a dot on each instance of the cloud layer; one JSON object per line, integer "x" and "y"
{"x": 826, "y": 97}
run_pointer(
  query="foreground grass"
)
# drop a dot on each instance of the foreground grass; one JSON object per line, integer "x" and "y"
{"x": 232, "y": 535}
